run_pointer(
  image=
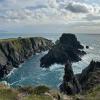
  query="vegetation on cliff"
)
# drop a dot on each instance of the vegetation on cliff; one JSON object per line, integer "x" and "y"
{"x": 44, "y": 93}
{"x": 27, "y": 93}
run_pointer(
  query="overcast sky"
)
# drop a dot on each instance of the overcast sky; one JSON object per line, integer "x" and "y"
{"x": 76, "y": 16}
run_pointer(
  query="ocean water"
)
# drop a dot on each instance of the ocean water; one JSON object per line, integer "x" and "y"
{"x": 30, "y": 72}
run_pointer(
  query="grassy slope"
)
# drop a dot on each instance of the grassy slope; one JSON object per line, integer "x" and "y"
{"x": 27, "y": 93}
{"x": 44, "y": 93}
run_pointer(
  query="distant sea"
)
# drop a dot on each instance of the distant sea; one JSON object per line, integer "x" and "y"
{"x": 30, "y": 73}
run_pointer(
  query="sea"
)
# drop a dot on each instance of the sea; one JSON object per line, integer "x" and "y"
{"x": 31, "y": 74}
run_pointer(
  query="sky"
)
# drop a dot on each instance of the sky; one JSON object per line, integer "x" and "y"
{"x": 48, "y": 16}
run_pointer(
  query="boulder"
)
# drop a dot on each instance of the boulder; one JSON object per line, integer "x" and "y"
{"x": 87, "y": 47}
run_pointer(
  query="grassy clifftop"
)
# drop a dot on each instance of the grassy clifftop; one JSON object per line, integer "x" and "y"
{"x": 26, "y": 93}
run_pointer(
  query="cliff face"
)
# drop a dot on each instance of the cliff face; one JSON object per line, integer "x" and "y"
{"x": 66, "y": 51}
{"x": 90, "y": 76}
{"x": 15, "y": 51}
{"x": 83, "y": 82}
{"x": 70, "y": 84}
{"x": 66, "y": 48}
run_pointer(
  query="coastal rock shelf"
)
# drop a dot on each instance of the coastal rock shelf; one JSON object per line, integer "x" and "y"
{"x": 15, "y": 51}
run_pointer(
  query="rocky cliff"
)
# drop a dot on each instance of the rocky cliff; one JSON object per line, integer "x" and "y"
{"x": 70, "y": 84}
{"x": 90, "y": 76}
{"x": 66, "y": 51}
{"x": 83, "y": 82}
{"x": 15, "y": 51}
{"x": 66, "y": 48}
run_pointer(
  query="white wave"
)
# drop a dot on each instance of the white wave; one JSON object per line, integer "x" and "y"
{"x": 5, "y": 83}
{"x": 61, "y": 76}
{"x": 21, "y": 65}
{"x": 59, "y": 85}
{"x": 91, "y": 48}
{"x": 11, "y": 72}
{"x": 56, "y": 66}
{"x": 37, "y": 54}
{"x": 22, "y": 79}
{"x": 86, "y": 59}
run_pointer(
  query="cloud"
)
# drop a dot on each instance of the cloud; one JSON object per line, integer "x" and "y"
{"x": 92, "y": 17}
{"x": 47, "y": 11}
{"x": 36, "y": 7}
{"x": 77, "y": 7}
{"x": 36, "y": 12}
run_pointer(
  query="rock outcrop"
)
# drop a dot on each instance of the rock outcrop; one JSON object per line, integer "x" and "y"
{"x": 15, "y": 51}
{"x": 70, "y": 83}
{"x": 90, "y": 76}
{"x": 66, "y": 48}
{"x": 66, "y": 51}
{"x": 83, "y": 82}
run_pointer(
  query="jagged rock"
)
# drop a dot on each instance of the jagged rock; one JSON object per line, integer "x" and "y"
{"x": 70, "y": 83}
{"x": 90, "y": 76}
{"x": 88, "y": 79}
{"x": 66, "y": 48}
{"x": 3, "y": 59}
{"x": 70, "y": 40}
{"x": 87, "y": 47}
{"x": 16, "y": 51}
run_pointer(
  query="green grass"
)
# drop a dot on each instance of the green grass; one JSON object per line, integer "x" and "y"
{"x": 41, "y": 89}
{"x": 37, "y": 97}
{"x": 8, "y": 94}
{"x": 25, "y": 93}
{"x": 39, "y": 93}
{"x": 28, "y": 90}
{"x": 94, "y": 94}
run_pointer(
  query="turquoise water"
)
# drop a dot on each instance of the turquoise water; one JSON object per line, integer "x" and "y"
{"x": 30, "y": 72}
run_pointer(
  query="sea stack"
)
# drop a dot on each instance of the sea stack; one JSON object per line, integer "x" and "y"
{"x": 70, "y": 83}
{"x": 67, "y": 48}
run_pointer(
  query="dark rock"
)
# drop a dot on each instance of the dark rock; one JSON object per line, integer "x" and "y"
{"x": 90, "y": 76}
{"x": 70, "y": 83}
{"x": 87, "y": 47}
{"x": 83, "y": 82}
{"x": 67, "y": 48}
{"x": 70, "y": 40}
